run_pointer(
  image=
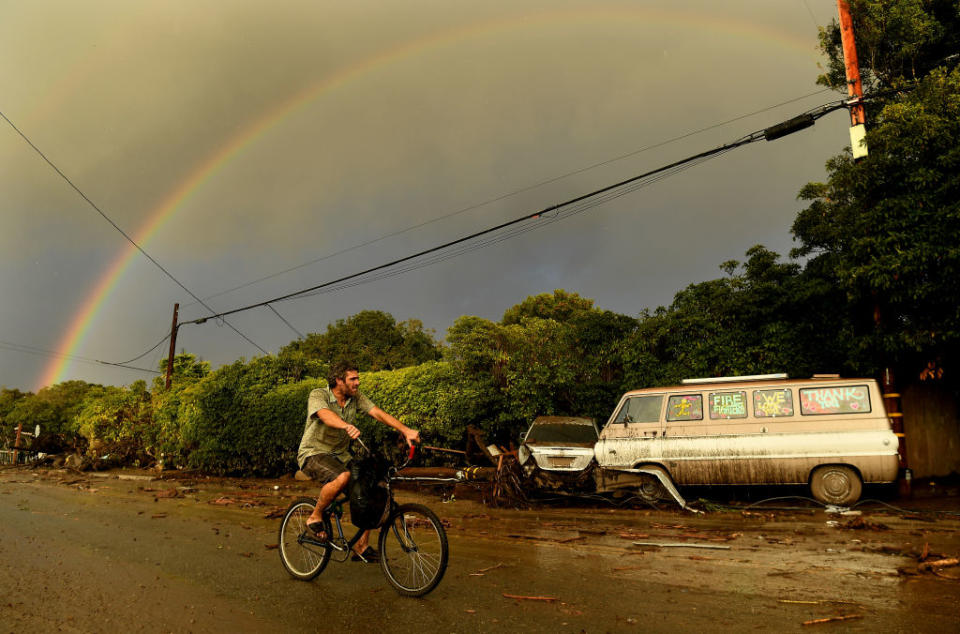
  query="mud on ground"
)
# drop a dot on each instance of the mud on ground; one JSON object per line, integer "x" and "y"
{"x": 124, "y": 550}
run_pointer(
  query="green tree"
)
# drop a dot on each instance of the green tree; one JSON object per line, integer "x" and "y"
{"x": 558, "y": 306}
{"x": 885, "y": 229}
{"x": 118, "y": 421}
{"x": 764, "y": 316}
{"x": 54, "y": 407}
{"x": 897, "y": 41}
{"x": 551, "y": 354}
{"x": 371, "y": 338}
{"x": 8, "y": 399}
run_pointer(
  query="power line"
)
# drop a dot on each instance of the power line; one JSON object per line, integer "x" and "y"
{"x": 140, "y": 356}
{"x": 117, "y": 227}
{"x": 782, "y": 129}
{"x": 43, "y": 352}
{"x": 299, "y": 334}
{"x": 538, "y": 223}
{"x": 515, "y": 193}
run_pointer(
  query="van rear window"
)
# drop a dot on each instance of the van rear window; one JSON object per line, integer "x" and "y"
{"x": 848, "y": 399}
{"x": 728, "y": 405}
{"x": 685, "y": 407}
{"x": 770, "y": 403}
{"x": 640, "y": 409}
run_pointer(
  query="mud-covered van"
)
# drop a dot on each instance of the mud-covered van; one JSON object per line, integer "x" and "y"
{"x": 829, "y": 433}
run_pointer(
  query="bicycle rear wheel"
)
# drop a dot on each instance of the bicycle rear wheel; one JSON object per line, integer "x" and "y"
{"x": 413, "y": 550}
{"x": 302, "y": 560}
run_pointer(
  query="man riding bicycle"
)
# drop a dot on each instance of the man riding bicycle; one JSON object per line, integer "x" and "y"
{"x": 325, "y": 447}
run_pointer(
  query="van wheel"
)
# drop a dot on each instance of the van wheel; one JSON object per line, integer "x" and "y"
{"x": 835, "y": 484}
{"x": 650, "y": 489}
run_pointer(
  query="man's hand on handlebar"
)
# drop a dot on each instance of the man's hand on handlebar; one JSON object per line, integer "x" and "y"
{"x": 411, "y": 436}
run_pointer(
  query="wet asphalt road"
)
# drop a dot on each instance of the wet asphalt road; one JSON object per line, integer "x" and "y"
{"x": 102, "y": 555}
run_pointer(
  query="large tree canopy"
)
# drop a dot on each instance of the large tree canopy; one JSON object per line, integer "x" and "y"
{"x": 897, "y": 41}
{"x": 371, "y": 338}
{"x": 886, "y": 228}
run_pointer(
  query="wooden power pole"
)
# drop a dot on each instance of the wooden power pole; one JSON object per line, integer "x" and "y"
{"x": 173, "y": 347}
{"x": 858, "y": 128}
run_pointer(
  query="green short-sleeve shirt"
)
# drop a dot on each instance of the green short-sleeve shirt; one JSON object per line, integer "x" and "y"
{"x": 322, "y": 439}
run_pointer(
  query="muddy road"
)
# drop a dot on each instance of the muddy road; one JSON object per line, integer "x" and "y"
{"x": 97, "y": 553}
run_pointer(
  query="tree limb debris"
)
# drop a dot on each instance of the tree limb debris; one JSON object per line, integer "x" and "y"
{"x": 938, "y": 563}
{"x": 672, "y": 545}
{"x": 526, "y": 598}
{"x": 846, "y": 617}
{"x": 484, "y": 571}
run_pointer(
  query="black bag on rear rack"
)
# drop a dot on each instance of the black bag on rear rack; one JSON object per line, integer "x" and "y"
{"x": 369, "y": 500}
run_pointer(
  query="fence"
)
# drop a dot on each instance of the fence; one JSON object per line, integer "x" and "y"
{"x": 18, "y": 456}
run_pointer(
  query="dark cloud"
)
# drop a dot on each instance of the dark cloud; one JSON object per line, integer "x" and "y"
{"x": 418, "y": 111}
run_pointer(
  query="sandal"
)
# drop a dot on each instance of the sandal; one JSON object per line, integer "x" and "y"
{"x": 318, "y": 531}
{"x": 368, "y": 556}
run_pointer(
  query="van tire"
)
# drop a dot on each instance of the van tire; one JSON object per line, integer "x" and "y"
{"x": 836, "y": 484}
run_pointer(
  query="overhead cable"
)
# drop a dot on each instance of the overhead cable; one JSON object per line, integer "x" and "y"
{"x": 515, "y": 192}
{"x": 759, "y": 135}
{"x": 42, "y": 352}
{"x": 117, "y": 227}
{"x": 299, "y": 334}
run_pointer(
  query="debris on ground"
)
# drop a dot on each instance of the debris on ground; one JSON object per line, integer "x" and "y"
{"x": 830, "y": 619}
{"x": 939, "y": 563}
{"x": 528, "y": 598}
{"x": 859, "y": 523}
{"x": 677, "y": 545}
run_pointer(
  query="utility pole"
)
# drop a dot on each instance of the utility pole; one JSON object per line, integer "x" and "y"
{"x": 858, "y": 128}
{"x": 858, "y": 146}
{"x": 173, "y": 346}
{"x": 16, "y": 444}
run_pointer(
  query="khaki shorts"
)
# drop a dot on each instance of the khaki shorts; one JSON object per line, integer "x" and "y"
{"x": 324, "y": 467}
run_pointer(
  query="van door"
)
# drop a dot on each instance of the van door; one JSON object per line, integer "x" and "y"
{"x": 633, "y": 435}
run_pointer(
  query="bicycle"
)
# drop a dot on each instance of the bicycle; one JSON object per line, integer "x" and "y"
{"x": 412, "y": 542}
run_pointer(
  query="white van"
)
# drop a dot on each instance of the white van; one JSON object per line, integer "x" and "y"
{"x": 829, "y": 433}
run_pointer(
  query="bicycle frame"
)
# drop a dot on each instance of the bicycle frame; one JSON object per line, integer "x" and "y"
{"x": 334, "y": 512}
{"x": 412, "y": 545}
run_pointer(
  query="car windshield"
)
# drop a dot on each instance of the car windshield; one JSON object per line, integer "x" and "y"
{"x": 545, "y": 433}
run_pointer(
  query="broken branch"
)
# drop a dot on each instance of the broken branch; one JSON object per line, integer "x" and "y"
{"x": 845, "y": 617}
{"x": 526, "y": 598}
{"x": 939, "y": 563}
{"x": 662, "y": 545}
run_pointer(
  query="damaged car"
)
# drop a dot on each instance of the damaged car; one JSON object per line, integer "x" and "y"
{"x": 557, "y": 452}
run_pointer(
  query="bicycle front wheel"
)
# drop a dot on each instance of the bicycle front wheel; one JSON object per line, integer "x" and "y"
{"x": 302, "y": 560}
{"x": 413, "y": 550}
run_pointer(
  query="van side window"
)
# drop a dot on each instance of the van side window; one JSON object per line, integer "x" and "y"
{"x": 640, "y": 409}
{"x": 769, "y": 403}
{"x": 685, "y": 407}
{"x": 849, "y": 399}
{"x": 728, "y": 405}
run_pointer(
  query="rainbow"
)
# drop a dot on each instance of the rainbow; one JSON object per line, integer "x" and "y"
{"x": 213, "y": 164}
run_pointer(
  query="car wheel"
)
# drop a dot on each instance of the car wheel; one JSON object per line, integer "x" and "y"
{"x": 650, "y": 489}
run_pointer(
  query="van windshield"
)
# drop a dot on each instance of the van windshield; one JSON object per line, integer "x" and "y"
{"x": 640, "y": 409}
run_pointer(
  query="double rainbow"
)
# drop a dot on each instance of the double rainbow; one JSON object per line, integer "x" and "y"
{"x": 762, "y": 35}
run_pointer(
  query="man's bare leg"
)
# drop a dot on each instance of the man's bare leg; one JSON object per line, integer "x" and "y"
{"x": 361, "y": 544}
{"x": 328, "y": 492}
